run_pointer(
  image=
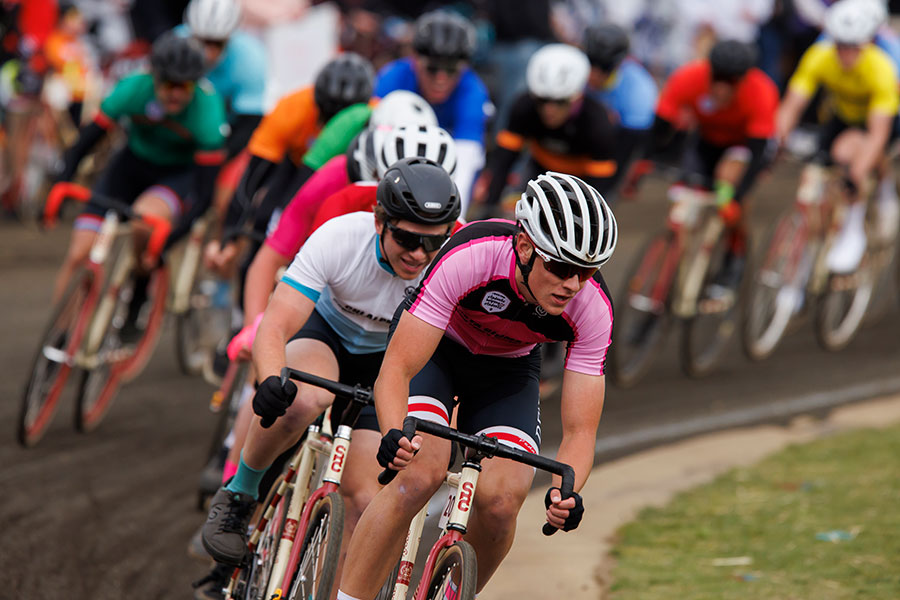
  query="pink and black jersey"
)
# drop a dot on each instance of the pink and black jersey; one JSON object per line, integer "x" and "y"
{"x": 471, "y": 293}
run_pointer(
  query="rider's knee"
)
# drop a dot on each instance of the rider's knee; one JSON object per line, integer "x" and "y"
{"x": 416, "y": 486}
{"x": 499, "y": 509}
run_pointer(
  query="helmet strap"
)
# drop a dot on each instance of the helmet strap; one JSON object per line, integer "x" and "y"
{"x": 525, "y": 268}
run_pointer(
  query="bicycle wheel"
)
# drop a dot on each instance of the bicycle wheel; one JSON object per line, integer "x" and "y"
{"x": 776, "y": 287}
{"x": 314, "y": 576}
{"x": 642, "y": 313}
{"x": 231, "y": 402}
{"x": 151, "y": 322}
{"x": 50, "y": 368}
{"x": 200, "y": 328}
{"x": 705, "y": 335}
{"x": 457, "y": 563}
{"x": 387, "y": 588}
{"x": 255, "y": 577}
{"x": 842, "y": 307}
{"x": 99, "y": 384}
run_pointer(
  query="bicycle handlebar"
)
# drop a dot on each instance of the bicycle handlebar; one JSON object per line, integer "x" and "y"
{"x": 159, "y": 227}
{"x": 489, "y": 447}
{"x": 358, "y": 395}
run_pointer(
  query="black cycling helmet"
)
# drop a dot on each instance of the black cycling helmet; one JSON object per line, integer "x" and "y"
{"x": 730, "y": 60}
{"x": 361, "y": 157}
{"x": 346, "y": 80}
{"x": 419, "y": 190}
{"x": 606, "y": 45}
{"x": 177, "y": 58}
{"x": 442, "y": 34}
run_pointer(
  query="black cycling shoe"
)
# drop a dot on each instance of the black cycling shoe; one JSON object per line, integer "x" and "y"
{"x": 225, "y": 530}
{"x": 212, "y": 586}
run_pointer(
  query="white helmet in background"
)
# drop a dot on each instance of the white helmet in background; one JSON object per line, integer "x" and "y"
{"x": 212, "y": 19}
{"x": 854, "y": 21}
{"x": 567, "y": 219}
{"x": 558, "y": 72}
{"x": 426, "y": 141}
{"x": 402, "y": 107}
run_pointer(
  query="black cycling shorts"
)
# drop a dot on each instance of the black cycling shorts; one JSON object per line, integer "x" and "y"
{"x": 354, "y": 368}
{"x": 128, "y": 176}
{"x": 495, "y": 395}
{"x": 836, "y": 126}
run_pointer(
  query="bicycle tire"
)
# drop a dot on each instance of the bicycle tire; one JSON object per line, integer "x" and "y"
{"x": 188, "y": 354}
{"x": 254, "y": 578}
{"x": 387, "y": 588}
{"x": 228, "y": 410}
{"x": 326, "y": 527}
{"x": 841, "y": 309}
{"x": 765, "y": 319}
{"x": 458, "y": 558}
{"x": 98, "y": 386}
{"x": 628, "y": 358}
{"x": 42, "y": 390}
{"x": 705, "y": 335}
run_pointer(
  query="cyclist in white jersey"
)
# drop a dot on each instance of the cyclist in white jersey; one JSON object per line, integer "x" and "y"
{"x": 336, "y": 299}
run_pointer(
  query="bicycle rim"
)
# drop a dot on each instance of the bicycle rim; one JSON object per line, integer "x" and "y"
{"x": 314, "y": 577}
{"x": 457, "y": 564}
{"x": 841, "y": 309}
{"x": 642, "y": 311}
{"x": 767, "y": 310}
{"x": 264, "y": 553}
{"x": 48, "y": 377}
{"x": 705, "y": 336}
{"x": 99, "y": 385}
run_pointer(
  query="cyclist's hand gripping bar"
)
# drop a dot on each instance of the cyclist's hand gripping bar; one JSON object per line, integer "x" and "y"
{"x": 409, "y": 431}
{"x": 58, "y": 194}
{"x": 565, "y": 490}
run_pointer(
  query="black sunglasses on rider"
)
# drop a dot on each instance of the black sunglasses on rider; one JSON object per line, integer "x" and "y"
{"x": 556, "y": 101}
{"x": 566, "y": 270}
{"x": 413, "y": 241}
{"x": 434, "y": 67}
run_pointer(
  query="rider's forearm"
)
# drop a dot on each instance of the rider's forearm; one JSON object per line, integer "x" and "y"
{"x": 88, "y": 137}
{"x": 758, "y": 161}
{"x": 391, "y": 397}
{"x": 260, "y": 281}
{"x": 268, "y": 347}
{"x": 241, "y": 130}
{"x": 257, "y": 172}
{"x": 789, "y": 113}
{"x": 578, "y": 452}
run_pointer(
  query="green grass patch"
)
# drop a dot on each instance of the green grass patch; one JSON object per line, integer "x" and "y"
{"x": 770, "y": 515}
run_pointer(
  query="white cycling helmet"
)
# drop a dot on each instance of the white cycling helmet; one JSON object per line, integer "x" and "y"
{"x": 854, "y": 21}
{"x": 212, "y": 19}
{"x": 427, "y": 141}
{"x": 567, "y": 220}
{"x": 557, "y": 71}
{"x": 402, "y": 107}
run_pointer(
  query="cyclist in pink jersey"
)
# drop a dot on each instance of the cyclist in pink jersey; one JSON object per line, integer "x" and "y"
{"x": 468, "y": 339}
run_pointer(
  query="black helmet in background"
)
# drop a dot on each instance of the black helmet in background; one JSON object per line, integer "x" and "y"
{"x": 346, "y": 80}
{"x": 730, "y": 60}
{"x": 442, "y": 34}
{"x": 606, "y": 46}
{"x": 177, "y": 58}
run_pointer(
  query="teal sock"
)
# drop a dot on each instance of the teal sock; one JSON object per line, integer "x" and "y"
{"x": 246, "y": 480}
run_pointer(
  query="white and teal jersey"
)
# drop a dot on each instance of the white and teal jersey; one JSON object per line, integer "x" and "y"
{"x": 339, "y": 268}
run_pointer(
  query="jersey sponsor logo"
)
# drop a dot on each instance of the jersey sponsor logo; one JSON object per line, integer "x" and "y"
{"x": 465, "y": 497}
{"x": 154, "y": 111}
{"x": 361, "y": 313}
{"x": 539, "y": 311}
{"x": 495, "y": 302}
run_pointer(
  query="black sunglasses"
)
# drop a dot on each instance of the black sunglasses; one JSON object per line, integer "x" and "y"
{"x": 218, "y": 44}
{"x": 566, "y": 270}
{"x": 414, "y": 241}
{"x": 175, "y": 85}
{"x": 556, "y": 101}
{"x": 435, "y": 67}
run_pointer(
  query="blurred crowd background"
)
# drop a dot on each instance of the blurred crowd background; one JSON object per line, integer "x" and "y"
{"x": 664, "y": 33}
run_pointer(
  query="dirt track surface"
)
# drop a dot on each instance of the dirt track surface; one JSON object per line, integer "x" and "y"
{"x": 109, "y": 514}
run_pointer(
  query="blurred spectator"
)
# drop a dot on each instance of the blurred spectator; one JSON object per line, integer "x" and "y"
{"x": 151, "y": 18}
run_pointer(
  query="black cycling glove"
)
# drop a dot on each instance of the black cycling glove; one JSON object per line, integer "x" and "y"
{"x": 271, "y": 400}
{"x": 575, "y": 514}
{"x": 390, "y": 444}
